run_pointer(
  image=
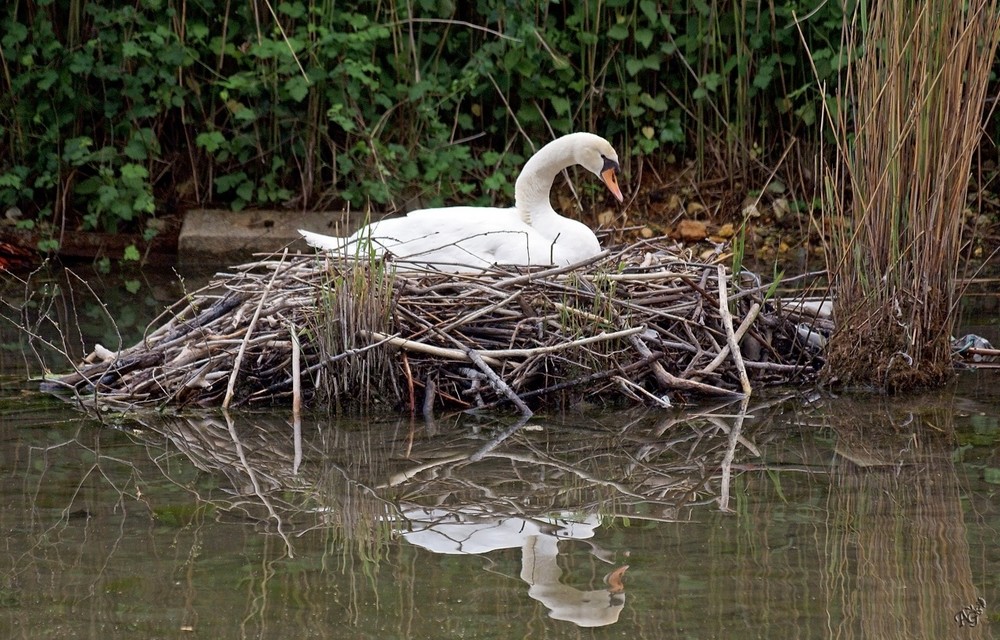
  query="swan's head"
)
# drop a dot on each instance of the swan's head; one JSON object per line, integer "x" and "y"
{"x": 598, "y": 156}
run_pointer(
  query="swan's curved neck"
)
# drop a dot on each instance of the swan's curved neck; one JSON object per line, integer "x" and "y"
{"x": 531, "y": 190}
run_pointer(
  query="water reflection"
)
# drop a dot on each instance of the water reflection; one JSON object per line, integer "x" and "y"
{"x": 474, "y": 532}
{"x": 365, "y": 473}
{"x": 898, "y": 559}
{"x": 237, "y": 525}
{"x": 53, "y": 317}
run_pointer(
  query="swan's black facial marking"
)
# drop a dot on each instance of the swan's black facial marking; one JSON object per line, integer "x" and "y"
{"x": 610, "y": 164}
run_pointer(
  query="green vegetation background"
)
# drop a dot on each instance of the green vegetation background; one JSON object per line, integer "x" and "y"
{"x": 114, "y": 113}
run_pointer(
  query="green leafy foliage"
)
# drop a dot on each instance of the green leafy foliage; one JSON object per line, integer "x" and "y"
{"x": 113, "y": 113}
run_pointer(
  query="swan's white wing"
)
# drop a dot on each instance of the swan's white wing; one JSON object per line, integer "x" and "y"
{"x": 573, "y": 242}
{"x": 474, "y": 237}
{"x": 464, "y": 238}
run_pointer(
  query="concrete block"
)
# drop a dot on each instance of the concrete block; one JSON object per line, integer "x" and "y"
{"x": 217, "y": 237}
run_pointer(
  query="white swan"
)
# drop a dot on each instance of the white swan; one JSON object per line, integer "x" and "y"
{"x": 472, "y": 238}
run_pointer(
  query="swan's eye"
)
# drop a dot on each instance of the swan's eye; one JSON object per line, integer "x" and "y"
{"x": 609, "y": 164}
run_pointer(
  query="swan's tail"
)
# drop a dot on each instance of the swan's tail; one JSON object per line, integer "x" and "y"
{"x": 326, "y": 243}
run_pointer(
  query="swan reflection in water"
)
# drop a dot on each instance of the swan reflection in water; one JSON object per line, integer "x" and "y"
{"x": 471, "y": 532}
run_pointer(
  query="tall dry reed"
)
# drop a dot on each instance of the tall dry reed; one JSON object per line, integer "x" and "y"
{"x": 907, "y": 120}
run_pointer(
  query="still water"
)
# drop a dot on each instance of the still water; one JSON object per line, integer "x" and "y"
{"x": 801, "y": 515}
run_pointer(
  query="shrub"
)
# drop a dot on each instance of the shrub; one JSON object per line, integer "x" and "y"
{"x": 111, "y": 115}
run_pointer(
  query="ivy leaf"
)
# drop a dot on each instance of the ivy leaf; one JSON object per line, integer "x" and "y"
{"x": 560, "y": 104}
{"x": 132, "y": 49}
{"x": 618, "y": 31}
{"x": 47, "y": 79}
{"x": 131, "y": 254}
{"x": 245, "y": 191}
{"x": 76, "y": 151}
{"x": 135, "y": 149}
{"x": 16, "y": 33}
{"x": 644, "y": 37}
{"x": 297, "y": 87}
{"x": 210, "y": 141}
{"x": 197, "y": 30}
{"x": 11, "y": 180}
{"x": 657, "y": 103}
{"x": 711, "y": 81}
{"x": 648, "y": 8}
{"x": 807, "y": 113}
{"x": 292, "y": 9}
{"x": 134, "y": 173}
{"x": 229, "y": 181}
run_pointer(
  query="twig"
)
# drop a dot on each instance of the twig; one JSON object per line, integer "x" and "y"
{"x": 498, "y": 440}
{"x": 554, "y": 271}
{"x": 296, "y": 374}
{"x": 429, "y": 349}
{"x": 727, "y": 460}
{"x": 498, "y": 383}
{"x": 238, "y": 362}
{"x": 429, "y": 395}
{"x": 727, "y": 322}
{"x": 740, "y": 332}
{"x": 670, "y": 381}
{"x": 251, "y": 472}
{"x": 663, "y": 402}
{"x": 492, "y": 355}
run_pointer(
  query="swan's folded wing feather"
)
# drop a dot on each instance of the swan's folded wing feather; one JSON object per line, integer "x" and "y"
{"x": 320, "y": 241}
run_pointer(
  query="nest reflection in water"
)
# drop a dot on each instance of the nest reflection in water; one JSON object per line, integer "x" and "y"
{"x": 472, "y": 486}
{"x": 639, "y": 325}
{"x": 360, "y": 481}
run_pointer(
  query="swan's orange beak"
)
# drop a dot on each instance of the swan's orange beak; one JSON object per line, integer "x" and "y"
{"x": 610, "y": 178}
{"x": 614, "y": 579}
{"x": 609, "y": 174}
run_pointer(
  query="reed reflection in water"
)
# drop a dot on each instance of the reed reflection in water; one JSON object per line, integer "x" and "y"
{"x": 896, "y": 549}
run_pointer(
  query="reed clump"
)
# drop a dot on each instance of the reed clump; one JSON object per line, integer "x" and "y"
{"x": 357, "y": 300}
{"x": 637, "y": 325}
{"x": 908, "y": 119}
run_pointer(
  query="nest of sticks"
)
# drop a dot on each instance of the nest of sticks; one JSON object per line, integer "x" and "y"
{"x": 638, "y": 324}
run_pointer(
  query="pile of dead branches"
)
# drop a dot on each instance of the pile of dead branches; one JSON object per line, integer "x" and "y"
{"x": 639, "y": 324}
